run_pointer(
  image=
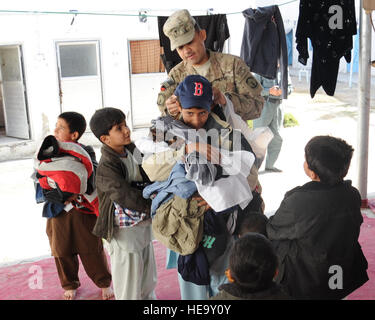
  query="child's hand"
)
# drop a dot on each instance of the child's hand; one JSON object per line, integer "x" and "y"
{"x": 71, "y": 199}
{"x": 276, "y": 91}
{"x": 201, "y": 202}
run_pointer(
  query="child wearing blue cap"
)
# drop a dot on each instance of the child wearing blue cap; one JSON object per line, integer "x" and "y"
{"x": 195, "y": 100}
{"x": 195, "y": 92}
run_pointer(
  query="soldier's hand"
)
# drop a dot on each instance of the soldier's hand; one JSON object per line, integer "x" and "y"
{"x": 276, "y": 91}
{"x": 219, "y": 98}
{"x": 172, "y": 105}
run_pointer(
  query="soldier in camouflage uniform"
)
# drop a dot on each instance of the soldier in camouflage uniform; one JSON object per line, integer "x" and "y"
{"x": 228, "y": 74}
{"x": 231, "y": 79}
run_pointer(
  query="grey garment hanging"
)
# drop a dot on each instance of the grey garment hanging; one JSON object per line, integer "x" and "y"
{"x": 264, "y": 44}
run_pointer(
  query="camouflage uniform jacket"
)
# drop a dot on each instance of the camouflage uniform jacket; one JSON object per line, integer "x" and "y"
{"x": 230, "y": 75}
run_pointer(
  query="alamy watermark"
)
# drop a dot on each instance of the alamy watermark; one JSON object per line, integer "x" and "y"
{"x": 336, "y": 20}
{"x": 217, "y": 146}
{"x": 36, "y": 279}
{"x": 336, "y": 280}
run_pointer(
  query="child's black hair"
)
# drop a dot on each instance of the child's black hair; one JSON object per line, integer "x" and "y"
{"x": 253, "y": 262}
{"x": 75, "y": 121}
{"x": 253, "y": 222}
{"x": 329, "y": 158}
{"x": 104, "y": 119}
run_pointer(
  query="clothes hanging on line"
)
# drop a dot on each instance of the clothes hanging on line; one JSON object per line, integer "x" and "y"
{"x": 217, "y": 30}
{"x": 264, "y": 44}
{"x": 331, "y": 35}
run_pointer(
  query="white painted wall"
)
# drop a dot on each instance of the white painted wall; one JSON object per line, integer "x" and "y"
{"x": 38, "y": 33}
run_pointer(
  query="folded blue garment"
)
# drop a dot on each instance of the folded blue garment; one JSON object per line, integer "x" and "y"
{"x": 51, "y": 209}
{"x": 176, "y": 184}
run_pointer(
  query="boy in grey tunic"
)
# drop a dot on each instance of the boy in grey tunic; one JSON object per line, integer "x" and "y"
{"x": 124, "y": 215}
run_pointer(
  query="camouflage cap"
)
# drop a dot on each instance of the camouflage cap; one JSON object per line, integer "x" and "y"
{"x": 179, "y": 28}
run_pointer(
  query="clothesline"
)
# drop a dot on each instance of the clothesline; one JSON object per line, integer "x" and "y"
{"x": 282, "y": 4}
{"x": 140, "y": 14}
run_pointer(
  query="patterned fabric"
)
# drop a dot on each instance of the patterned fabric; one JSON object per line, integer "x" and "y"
{"x": 331, "y": 38}
{"x": 230, "y": 75}
{"x": 64, "y": 169}
{"x": 66, "y": 164}
{"x": 125, "y": 218}
{"x": 217, "y": 32}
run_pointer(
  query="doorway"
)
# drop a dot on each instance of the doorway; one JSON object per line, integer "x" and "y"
{"x": 14, "y": 119}
{"x": 80, "y": 82}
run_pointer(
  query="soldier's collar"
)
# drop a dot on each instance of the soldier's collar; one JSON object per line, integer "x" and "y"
{"x": 216, "y": 71}
{"x": 190, "y": 69}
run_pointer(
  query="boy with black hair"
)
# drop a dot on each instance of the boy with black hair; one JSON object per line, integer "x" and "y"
{"x": 70, "y": 123}
{"x": 71, "y": 220}
{"x": 124, "y": 215}
{"x": 253, "y": 222}
{"x": 327, "y": 159}
{"x": 194, "y": 100}
{"x": 252, "y": 267}
{"x": 316, "y": 228}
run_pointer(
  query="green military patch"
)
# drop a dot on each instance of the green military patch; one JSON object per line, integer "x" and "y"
{"x": 251, "y": 82}
{"x": 161, "y": 99}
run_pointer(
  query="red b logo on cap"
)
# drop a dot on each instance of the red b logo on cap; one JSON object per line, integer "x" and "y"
{"x": 198, "y": 89}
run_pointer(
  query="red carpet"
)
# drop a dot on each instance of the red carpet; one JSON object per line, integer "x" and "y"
{"x": 371, "y": 204}
{"x": 16, "y": 282}
{"x": 367, "y": 241}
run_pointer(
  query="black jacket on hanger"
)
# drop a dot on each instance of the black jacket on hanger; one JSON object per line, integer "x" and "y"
{"x": 264, "y": 43}
{"x": 217, "y": 30}
{"x": 329, "y": 44}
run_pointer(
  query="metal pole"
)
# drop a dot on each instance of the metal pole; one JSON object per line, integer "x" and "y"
{"x": 364, "y": 86}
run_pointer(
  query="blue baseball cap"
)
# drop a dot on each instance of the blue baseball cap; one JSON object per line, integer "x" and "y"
{"x": 194, "y": 91}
